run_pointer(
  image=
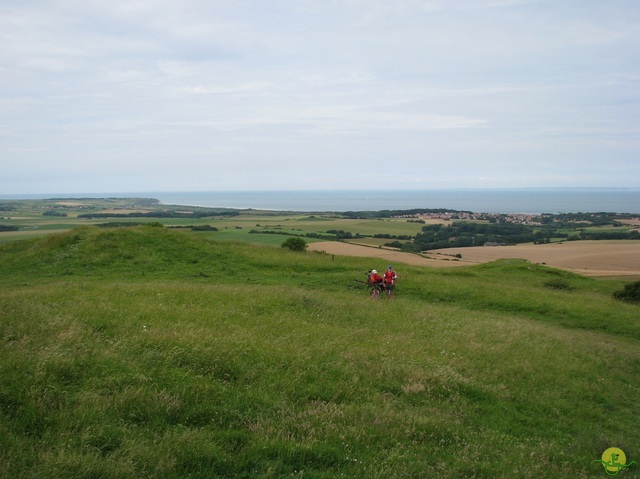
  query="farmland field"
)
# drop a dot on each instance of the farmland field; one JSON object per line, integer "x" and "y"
{"x": 590, "y": 258}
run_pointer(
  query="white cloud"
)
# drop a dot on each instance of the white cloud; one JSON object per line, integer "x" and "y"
{"x": 196, "y": 92}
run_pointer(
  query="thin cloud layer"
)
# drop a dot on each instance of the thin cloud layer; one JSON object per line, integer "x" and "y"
{"x": 125, "y": 96}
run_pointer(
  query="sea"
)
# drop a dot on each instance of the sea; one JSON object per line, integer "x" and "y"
{"x": 503, "y": 200}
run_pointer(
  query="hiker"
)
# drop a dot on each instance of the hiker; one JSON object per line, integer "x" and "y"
{"x": 375, "y": 279}
{"x": 390, "y": 277}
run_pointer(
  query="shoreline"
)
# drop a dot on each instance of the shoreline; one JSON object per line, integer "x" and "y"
{"x": 531, "y": 200}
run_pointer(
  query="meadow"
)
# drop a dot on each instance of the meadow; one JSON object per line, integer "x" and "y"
{"x": 153, "y": 352}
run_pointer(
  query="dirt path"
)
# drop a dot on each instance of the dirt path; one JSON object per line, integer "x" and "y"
{"x": 590, "y": 258}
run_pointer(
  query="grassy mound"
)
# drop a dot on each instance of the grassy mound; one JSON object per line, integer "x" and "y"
{"x": 142, "y": 352}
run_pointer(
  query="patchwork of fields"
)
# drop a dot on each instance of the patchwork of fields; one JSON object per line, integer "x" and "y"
{"x": 365, "y": 237}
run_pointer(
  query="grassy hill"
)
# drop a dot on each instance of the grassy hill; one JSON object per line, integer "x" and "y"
{"x": 146, "y": 352}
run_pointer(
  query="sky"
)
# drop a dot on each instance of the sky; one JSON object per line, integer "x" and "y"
{"x": 208, "y": 95}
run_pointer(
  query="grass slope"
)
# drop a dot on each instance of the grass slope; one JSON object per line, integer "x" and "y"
{"x": 144, "y": 352}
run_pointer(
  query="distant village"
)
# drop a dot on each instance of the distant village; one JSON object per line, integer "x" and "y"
{"x": 516, "y": 218}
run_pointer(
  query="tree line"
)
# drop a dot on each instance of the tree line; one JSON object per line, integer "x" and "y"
{"x": 160, "y": 214}
{"x": 465, "y": 234}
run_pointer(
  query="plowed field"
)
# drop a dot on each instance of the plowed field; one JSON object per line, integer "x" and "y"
{"x": 590, "y": 258}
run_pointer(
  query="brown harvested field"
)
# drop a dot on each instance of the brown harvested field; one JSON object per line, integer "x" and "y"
{"x": 590, "y": 258}
{"x": 388, "y": 255}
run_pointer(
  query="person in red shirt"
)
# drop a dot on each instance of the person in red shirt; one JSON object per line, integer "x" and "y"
{"x": 375, "y": 279}
{"x": 390, "y": 277}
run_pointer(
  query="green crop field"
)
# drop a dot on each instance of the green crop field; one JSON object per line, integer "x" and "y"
{"x": 29, "y": 216}
{"x": 161, "y": 353}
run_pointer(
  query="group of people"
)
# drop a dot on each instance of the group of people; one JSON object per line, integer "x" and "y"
{"x": 386, "y": 282}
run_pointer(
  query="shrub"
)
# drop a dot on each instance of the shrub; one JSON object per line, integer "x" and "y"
{"x": 560, "y": 284}
{"x": 630, "y": 293}
{"x": 119, "y": 224}
{"x": 295, "y": 244}
{"x": 54, "y": 213}
{"x": 204, "y": 228}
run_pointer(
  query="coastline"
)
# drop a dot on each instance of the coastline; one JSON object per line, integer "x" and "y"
{"x": 625, "y": 200}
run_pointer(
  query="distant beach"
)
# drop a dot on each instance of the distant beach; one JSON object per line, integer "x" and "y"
{"x": 516, "y": 200}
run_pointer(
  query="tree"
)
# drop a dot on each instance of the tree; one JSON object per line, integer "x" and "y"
{"x": 54, "y": 213}
{"x": 295, "y": 244}
{"x": 630, "y": 293}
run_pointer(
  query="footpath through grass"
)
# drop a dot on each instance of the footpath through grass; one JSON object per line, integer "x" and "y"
{"x": 144, "y": 352}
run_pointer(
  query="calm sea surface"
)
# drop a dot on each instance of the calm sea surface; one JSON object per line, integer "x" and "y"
{"x": 534, "y": 200}
{"x": 566, "y": 200}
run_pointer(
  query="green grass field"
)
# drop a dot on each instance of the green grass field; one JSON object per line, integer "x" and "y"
{"x": 150, "y": 352}
{"x": 28, "y": 215}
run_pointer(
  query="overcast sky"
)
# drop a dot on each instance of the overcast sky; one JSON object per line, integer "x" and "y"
{"x": 180, "y": 95}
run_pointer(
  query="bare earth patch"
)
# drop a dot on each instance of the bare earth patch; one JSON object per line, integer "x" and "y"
{"x": 589, "y": 258}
